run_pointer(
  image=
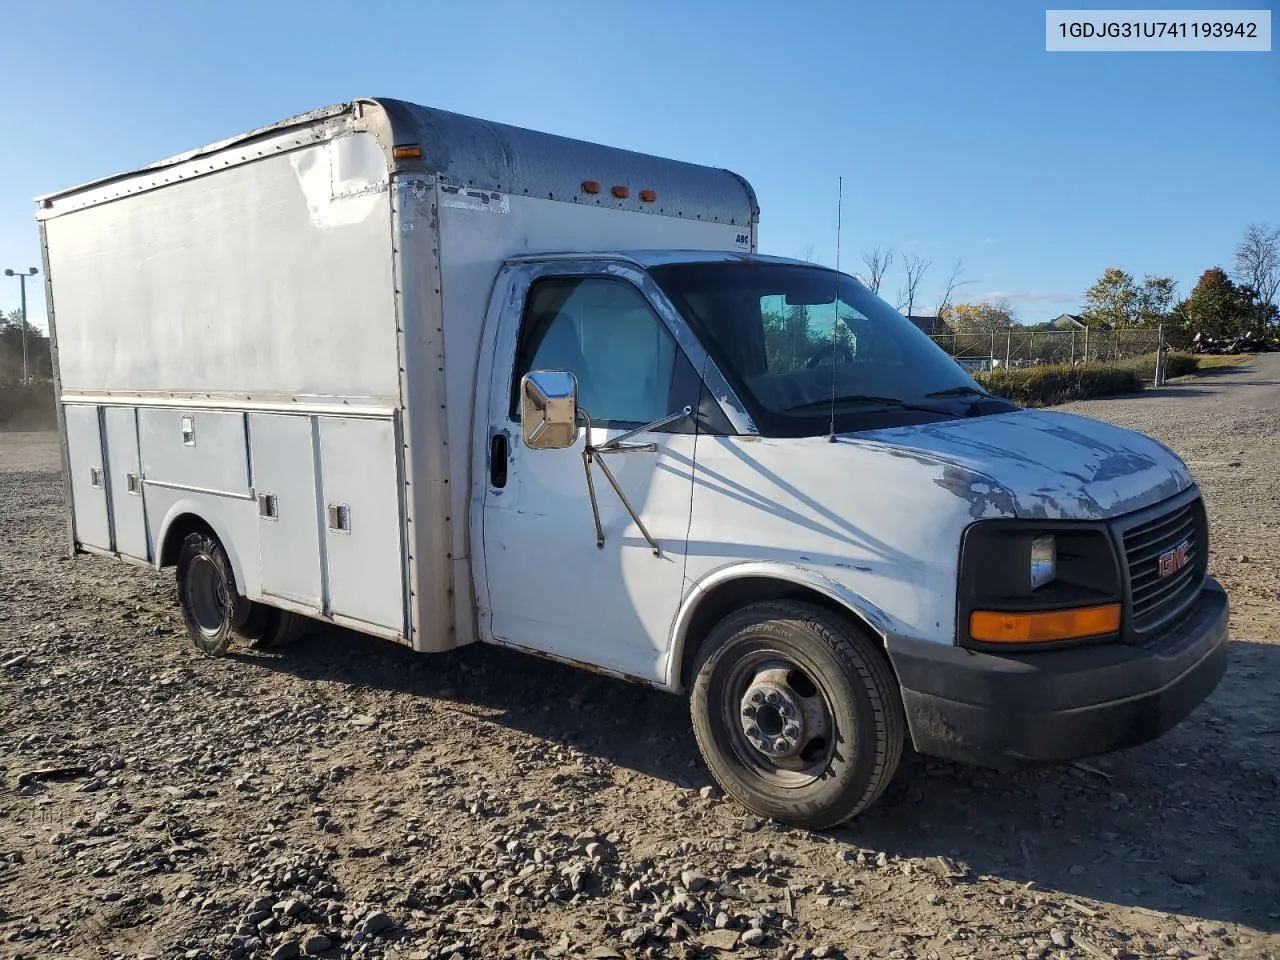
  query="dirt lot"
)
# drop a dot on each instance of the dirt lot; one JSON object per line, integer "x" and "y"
{"x": 349, "y": 798}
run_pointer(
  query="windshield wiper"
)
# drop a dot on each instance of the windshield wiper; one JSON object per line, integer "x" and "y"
{"x": 895, "y": 402}
{"x": 959, "y": 392}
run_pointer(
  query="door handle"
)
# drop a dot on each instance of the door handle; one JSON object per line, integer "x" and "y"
{"x": 498, "y": 460}
{"x": 339, "y": 518}
{"x": 267, "y": 509}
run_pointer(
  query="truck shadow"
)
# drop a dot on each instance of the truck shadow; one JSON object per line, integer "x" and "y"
{"x": 1188, "y": 824}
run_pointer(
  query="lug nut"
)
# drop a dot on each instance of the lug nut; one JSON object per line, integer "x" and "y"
{"x": 757, "y": 697}
{"x": 774, "y": 697}
{"x": 791, "y": 731}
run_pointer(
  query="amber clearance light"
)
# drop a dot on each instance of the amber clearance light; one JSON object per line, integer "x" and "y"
{"x": 993, "y": 626}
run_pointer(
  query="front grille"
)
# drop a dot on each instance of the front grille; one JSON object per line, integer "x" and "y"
{"x": 1154, "y": 599}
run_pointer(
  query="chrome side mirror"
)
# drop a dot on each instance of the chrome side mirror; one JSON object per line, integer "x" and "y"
{"x": 549, "y": 409}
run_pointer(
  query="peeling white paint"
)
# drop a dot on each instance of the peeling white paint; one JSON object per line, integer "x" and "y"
{"x": 1054, "y": 465}
{"x": 885, "y": 528}
{"x": 342, "y": 180}
{"x": 479, "y": 201}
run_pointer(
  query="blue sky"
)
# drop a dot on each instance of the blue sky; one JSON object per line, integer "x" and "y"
{"x": 956, "y": 134}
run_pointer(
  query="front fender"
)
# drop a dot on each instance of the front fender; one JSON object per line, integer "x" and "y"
{"x": 780, "y": 571}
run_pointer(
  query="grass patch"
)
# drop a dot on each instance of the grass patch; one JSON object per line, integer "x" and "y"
{"x": 1051, "y": 384}
{"x": 1176, "y": 364}
{"x": 1217, "y": 361}
{"x": 1048, "y": 385}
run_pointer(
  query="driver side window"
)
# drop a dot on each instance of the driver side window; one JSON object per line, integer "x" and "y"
{"x": 604, "y": 332}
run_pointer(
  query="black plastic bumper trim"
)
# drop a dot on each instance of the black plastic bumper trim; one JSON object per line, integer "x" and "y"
{"x": 998, "y": 710}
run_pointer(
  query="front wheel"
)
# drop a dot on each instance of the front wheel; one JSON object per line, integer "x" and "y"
{"x": 211, "y": 606}
{"x": 797, "y": 713}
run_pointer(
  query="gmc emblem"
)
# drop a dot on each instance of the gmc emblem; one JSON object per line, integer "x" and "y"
{"x": 1175, "y": 559}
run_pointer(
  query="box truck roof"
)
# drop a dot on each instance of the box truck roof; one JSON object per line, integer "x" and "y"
{"x": 464, "y": 152}
{"x": 658, "y": 258}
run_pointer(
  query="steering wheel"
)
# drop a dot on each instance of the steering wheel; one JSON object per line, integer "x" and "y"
{"x": 830, "y": 348}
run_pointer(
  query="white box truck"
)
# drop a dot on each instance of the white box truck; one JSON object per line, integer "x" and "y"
{"x": 442, "y": 380}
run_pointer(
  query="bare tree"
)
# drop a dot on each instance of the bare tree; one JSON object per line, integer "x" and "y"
{"x": 953, "y": 282}
{"x": 878, "y": 263}
{"x": 1258, "y": 266}
{"x": 914, "y": 267}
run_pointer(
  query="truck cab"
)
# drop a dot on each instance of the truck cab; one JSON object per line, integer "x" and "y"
{"x": 750, "y": 479}
{"x": 444, "y": 380}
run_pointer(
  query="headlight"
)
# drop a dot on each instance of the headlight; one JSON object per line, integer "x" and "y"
{"x": 1029, "y": 582}
{"x": 1044, "y": 560}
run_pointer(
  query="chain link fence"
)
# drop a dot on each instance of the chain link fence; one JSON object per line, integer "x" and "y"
{"x": 1016, "y": 348}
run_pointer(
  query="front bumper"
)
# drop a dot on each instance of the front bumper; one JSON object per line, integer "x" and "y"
{"x": 999, "y": 709}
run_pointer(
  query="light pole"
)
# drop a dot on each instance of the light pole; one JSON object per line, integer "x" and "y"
{"x": 22, "y": 282}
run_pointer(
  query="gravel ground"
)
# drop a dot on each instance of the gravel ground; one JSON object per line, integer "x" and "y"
{"x": 348, "y": 798}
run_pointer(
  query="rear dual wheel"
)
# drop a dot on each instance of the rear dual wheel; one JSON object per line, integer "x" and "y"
{"x": 269, "y": 628}
{"x": 215, "y": 614}
{"x": 797, "y": 713}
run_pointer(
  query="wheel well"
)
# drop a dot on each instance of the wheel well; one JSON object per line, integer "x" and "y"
{"x": 735, "y": 594}
{"x": 181, "y": 527}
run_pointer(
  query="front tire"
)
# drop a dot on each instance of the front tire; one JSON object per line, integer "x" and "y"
{"x": 797, "y": 713}
{"x": 211, "y": 606}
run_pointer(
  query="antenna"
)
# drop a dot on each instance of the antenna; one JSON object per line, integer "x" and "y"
{"x": 835, "y": 306}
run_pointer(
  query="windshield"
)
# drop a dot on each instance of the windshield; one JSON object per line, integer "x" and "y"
{"x": 790, "y": 337}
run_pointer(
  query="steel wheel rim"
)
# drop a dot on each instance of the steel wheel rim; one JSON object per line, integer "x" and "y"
{"x": 207, "y": 595}
{"x": 794, "y": 734}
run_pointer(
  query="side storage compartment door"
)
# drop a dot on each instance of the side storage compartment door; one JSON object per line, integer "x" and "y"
{"x": 360, "y": 487}
{"x": 128, "y": 518}
{"x": 203, "y": 451}
{"x": 88, "y": 478}
{"x": 284, "y": 479}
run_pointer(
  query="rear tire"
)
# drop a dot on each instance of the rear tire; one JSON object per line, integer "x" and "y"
{"x": 269, "y": 628}
{"x": 255, "y": 624}
{"x": 797, "y": 713}
{"x": 211, "y": 606}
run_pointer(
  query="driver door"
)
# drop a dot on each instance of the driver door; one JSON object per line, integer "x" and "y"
{"x": 550, "y": 588}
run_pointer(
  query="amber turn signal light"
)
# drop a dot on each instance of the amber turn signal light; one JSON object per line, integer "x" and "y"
{"x": 648, "y": 196}
{"x": 992, "y": 626}
{"x": 622, "y": 192}
{"x": 408, "y": 151}
{"x": 590, "y": 186}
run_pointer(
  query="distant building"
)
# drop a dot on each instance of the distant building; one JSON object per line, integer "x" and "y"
{"x": 1074, "y": 321}
{"x": 933, "y": 325}
{"x": 1067, "y": 321}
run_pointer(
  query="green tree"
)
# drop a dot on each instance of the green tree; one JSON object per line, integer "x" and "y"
{"x": 1112, "y": 301}
{"x": 1216, "y": 307}
{"x": 1117, "y": 301}
{"x": 40, "y": 365}
{"x": 1155, "y": 300}
{"x": 985, "y": 317}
